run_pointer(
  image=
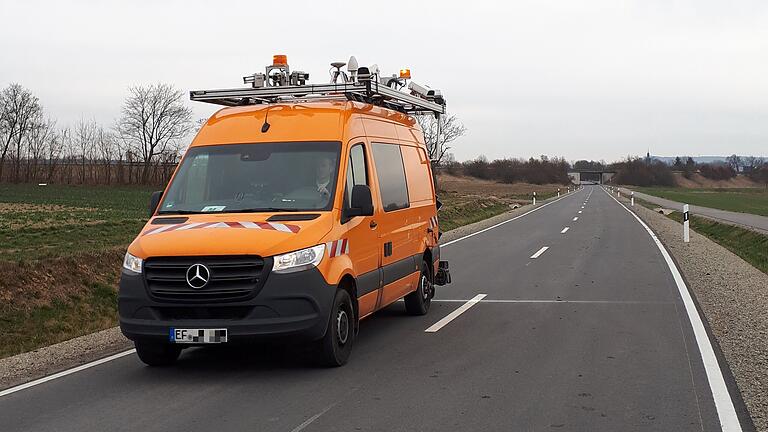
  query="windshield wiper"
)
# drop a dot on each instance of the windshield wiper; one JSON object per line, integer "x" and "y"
{"x": 262, "y": 210}
{"x": 170, "y": 212}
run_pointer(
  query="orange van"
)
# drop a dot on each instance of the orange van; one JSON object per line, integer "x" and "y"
{"x": 285, "y": 220}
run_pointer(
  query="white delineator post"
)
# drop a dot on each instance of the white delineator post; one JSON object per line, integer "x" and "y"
{"x": 618, "y": 193}
{"x": 558, "y": 192}
{"x": 686, "y": 223}
{"x": 632, "y": 198}
{"x": 534, "y": 198}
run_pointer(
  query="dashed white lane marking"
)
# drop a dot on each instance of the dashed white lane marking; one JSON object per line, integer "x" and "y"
{"x": 453, "y": 315}
{"x": 726, "y": 412}
{"x": 65, "y": 373}
{"x": 565, "y": 230}
{"x": 539, "y": 252}
{"x": 576, "y": 218}
{"x": 579, "y": 211}
{"x": 312, "y": 419}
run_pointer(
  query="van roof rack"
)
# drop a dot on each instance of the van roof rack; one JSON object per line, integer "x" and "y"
{"x": 362, "y": 84}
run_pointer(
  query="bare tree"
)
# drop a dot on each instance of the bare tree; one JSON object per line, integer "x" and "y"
{"x": 84, "y": 138}
{"x": 38, "y": 139}
{"x": 734, "y": 161}
{"x": 105, "y": 142}
{"x": 18, "y": 106}
{"x": 450, "y": 130}
{"x": 153, "y": 118}
{"x": 54, "y": 151}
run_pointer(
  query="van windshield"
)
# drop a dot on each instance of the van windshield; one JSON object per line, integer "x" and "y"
{"x": 232, "y": 178}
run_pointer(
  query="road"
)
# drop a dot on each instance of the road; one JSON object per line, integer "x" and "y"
{"x": 590, "y": 335}
{"x": 747, "y": 220}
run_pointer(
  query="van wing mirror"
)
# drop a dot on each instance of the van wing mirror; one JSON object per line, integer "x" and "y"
{"x": 362, "y": 202}
{"x": 154, "y": 201}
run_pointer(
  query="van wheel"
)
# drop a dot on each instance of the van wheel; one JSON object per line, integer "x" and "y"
{"x": 418, "y": 302}
{"x": 335, "y": 347}
{"x": 157, "y": 353}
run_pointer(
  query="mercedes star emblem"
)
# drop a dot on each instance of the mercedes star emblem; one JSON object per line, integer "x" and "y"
{"x": 198, "y": 276}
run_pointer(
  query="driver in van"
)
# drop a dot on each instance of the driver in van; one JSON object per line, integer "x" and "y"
{"x": 323, "y": 176}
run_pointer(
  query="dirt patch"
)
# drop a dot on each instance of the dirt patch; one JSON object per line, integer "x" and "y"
{"x": 492, "y": 189}
{"x": 698, "y": 181}
{"x": 27, "y": 208}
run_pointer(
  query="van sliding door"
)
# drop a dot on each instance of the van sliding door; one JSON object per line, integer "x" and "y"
{"x": 398, "y": 261}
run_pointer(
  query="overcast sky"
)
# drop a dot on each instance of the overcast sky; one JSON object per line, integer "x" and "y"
{"x": 581, "y": 79}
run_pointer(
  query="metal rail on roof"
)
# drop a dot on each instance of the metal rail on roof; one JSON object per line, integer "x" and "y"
{"x": 282, "y": 86}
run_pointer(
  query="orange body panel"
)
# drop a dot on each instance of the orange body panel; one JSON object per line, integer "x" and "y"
{"x": 410, "y": 230}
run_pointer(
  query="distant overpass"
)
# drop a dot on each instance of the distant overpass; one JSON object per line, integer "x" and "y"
{"x": 591, "y": 176}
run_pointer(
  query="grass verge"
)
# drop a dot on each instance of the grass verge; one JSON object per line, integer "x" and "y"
{"x": 26, "y": 330}
{"x": 459, "y": 210}
{"x": 751, "y": 246}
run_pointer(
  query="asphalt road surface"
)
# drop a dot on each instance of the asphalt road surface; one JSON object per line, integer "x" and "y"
{"x": 590, "y": 335}
{"x": 748, "y": 220}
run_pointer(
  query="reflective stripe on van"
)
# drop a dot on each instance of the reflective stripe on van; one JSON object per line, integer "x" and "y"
{"x": 338, "y": 247}
{"x": 246, "y": 224}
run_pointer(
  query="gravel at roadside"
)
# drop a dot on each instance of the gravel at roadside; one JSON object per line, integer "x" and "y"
{"x": 64, "y": 355}
{"x": 733, "y": 296}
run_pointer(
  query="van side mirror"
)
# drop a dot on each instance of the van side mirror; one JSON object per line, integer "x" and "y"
{"x": 154, "y": 201}
{"x": 362, "y": 202}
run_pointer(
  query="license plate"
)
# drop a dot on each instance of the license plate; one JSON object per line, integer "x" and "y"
{"x": 198, "y": 336}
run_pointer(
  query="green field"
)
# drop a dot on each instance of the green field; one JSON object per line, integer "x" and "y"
{"x": 63, "y": 246}
{"x": 752, "y": 200}
{"x": 43, "y": 222}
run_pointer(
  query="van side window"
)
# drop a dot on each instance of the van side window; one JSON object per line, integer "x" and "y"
{"x": 357, "y": 173}
{"x": 391, "y": 175}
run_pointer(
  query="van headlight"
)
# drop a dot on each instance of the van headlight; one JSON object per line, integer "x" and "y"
{"x": 299, "y": 260}
{"x": 132, "y": 264}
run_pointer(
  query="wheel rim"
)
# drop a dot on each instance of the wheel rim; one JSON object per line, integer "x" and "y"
{"x": 426, "y": 287}
{"x": 342, "y": 326}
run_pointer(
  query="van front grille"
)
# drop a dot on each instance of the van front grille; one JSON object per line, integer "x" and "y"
{"x": 230, "y": 278}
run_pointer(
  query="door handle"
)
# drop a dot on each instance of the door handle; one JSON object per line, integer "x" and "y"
{"x": 373, "y": 224}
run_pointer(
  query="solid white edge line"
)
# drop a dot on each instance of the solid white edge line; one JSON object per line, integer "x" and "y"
{"x": 565, "y": 230}
{"x": 617, "y": 302}
{"x": 503, "y": 222}
{"x": 453, "y": 315}
{"x": 65, "y": 373}
{"x": 539, "y": 252}
{"x": 726, "y": 412}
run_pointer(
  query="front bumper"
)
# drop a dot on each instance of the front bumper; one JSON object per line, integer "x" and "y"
{"x": 293, "y": 305}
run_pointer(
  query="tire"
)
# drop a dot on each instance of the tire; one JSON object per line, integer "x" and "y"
{"x": 418, "y": 302}
{"x": 336, "y": 346}
{"x": 157, "y": 353}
